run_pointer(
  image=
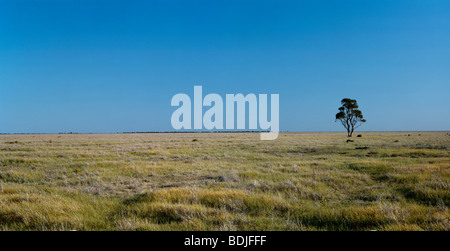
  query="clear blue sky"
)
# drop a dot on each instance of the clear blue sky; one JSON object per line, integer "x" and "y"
{"x": 113, "y": 66}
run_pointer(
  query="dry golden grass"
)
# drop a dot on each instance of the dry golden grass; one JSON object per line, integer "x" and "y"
{"x": 227, "y": 181}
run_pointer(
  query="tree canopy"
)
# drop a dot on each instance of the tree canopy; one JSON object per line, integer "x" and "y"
{"x": 349, "y": 115}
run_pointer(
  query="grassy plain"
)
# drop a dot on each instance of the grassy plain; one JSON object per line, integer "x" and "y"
{"x": 227, "y": 181}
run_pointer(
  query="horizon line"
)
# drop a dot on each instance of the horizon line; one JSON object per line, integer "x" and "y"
{"x": 186, "y": 132}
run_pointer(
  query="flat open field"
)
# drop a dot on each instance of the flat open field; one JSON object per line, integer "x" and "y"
{"x": 302, "y": 181}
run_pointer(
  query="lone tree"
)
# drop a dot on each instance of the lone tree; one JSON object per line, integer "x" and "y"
{"x": 349, "y": 115}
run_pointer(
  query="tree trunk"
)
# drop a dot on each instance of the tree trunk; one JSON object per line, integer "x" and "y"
{"x": 352, "y": 129}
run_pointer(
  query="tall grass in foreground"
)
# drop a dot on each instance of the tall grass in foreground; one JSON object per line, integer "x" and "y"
{"x": 302, "y": 181}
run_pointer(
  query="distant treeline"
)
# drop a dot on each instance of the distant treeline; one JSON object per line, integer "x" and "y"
{"x": 138, "y": 132}
{"x": 195, "y": 132}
